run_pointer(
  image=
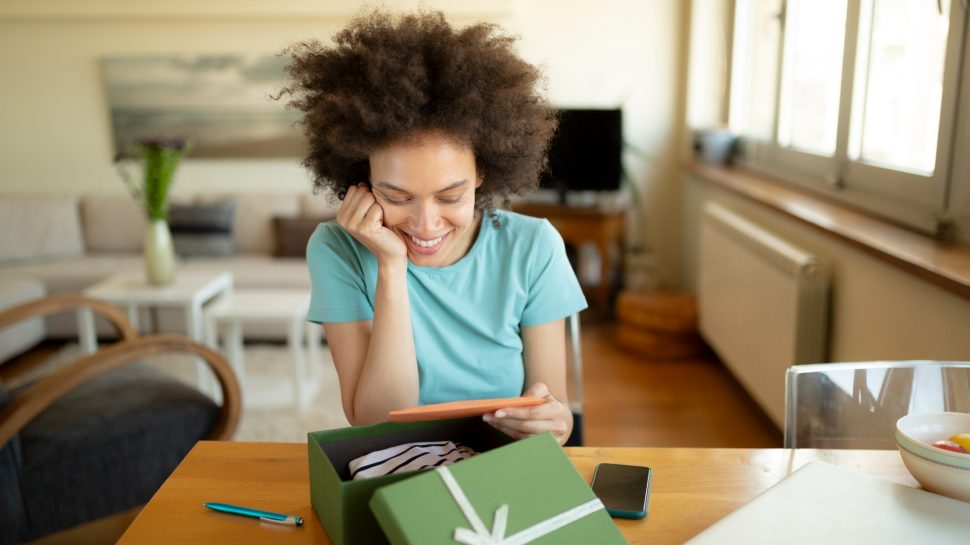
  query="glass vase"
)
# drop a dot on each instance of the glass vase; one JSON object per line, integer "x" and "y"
{"x": 159, "y": 253}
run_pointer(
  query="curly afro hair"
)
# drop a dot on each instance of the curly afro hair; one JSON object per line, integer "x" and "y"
{"x": 387, "y": 78}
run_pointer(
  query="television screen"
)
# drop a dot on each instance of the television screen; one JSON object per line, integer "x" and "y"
{"x": 585, "y": 152}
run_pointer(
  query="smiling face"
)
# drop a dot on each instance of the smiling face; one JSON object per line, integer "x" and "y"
{"x": 426, "y": 186}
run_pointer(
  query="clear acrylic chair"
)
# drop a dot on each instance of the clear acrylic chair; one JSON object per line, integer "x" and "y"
{"x": 574, "y": 379}
{"x": 856, "y": 405}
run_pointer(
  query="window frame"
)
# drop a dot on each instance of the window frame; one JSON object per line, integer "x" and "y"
{"x": 912, "y": 199}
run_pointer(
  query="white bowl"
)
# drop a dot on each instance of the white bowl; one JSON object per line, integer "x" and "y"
{"x": 937, "y": 470}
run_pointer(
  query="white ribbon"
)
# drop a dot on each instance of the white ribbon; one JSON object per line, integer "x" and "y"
{"x": 482, "y": 536}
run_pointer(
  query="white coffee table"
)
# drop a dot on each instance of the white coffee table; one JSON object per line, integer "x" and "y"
{"x": 190, "y": 291}
{"x": 286, "y": 308}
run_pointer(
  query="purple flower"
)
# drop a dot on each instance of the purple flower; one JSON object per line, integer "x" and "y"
{"x": 169, "y": 142}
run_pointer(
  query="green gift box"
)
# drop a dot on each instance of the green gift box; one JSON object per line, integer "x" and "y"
{"x": 525, "y": 492}
{"x": 341, "y": 504}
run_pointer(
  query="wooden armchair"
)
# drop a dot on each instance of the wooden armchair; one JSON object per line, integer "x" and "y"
{"x": 99, "y": 435}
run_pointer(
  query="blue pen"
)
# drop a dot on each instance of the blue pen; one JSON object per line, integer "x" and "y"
{"x": 265, "y": 516}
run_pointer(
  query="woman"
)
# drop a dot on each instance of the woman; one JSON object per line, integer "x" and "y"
{"x": 428, "y": 294}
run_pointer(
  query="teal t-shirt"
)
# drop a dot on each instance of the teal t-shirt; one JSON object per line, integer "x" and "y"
{"x": 467, "y": 317}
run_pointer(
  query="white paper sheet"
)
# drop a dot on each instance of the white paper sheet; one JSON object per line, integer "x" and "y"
{"x": 825, "y": 504}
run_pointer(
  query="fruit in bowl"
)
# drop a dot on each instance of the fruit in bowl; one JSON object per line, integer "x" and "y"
{"x": 962, "y": 439}
{"x": 949, "y": 445}
{"x": 927, "y": 446}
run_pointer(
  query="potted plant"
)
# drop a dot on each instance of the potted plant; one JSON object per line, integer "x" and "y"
{"x": 159, "y": 158}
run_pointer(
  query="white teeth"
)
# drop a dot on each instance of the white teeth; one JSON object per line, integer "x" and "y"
{"x": 426, "y": 243}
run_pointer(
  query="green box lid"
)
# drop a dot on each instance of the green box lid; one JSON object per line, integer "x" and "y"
{"x": 533, "y": 477}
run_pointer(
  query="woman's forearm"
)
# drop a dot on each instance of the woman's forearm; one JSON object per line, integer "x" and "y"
{"x": 389, "y": 378}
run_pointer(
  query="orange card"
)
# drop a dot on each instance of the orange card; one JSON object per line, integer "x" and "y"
{"x": 459, "y": 409}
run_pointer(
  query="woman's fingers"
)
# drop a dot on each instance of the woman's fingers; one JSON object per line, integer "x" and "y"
{"x": 360, "y": 212}
{"x": 550, "y": 409}
{"x": 526, "y": 427}
{"x": 537, "y": 390}
{"x": 535, "y": 412}
{"x": 521, "y": 422}
{"x": 348, "y": 206}
{"x": 361, "y": 205}
{"x": 521, "y": 428}
{"x": 374, "y": 217}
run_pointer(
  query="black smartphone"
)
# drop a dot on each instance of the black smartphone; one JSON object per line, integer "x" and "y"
{"x": 623, "y": 489}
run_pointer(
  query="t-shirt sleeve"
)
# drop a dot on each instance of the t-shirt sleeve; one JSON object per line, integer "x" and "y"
{"x": 339, "y": 291}
{"x": 554, "y": 291}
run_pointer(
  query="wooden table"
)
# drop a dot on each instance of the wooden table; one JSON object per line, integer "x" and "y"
{"x": 579, "y": 225}
{"x": 692, "y": 489}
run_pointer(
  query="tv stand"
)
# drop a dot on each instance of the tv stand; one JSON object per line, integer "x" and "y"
{"x": 563, "y": 194}
{"x": 582, "y": 224}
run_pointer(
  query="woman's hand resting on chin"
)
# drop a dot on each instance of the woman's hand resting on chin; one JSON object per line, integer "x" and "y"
{"x": 362, "y": 217}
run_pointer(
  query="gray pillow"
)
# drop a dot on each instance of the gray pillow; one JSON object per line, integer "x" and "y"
{"x": 203, "y": 229}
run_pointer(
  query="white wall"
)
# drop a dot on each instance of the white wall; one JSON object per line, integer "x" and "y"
{"x": 877, "y": 311}
{"x": 55, "y": 136}
{"x": 632, "y": 54}
{"x": 55, "y": 133}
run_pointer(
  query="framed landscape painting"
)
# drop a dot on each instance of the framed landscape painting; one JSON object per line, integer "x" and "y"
{"x": 221, "y": 102}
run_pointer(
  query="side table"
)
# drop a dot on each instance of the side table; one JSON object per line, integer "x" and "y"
{"x": 190, "y": 291}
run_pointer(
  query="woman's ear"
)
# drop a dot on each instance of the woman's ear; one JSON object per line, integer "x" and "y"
{"x": 481, "y": 178}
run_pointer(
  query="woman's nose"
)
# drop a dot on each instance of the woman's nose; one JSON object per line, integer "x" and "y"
{"x": 426, "y": 219}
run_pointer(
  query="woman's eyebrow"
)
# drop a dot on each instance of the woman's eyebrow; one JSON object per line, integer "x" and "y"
{"x": 392, "y": 187}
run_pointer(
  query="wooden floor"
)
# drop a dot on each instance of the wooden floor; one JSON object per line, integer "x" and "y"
{"x": 633, "y": 401}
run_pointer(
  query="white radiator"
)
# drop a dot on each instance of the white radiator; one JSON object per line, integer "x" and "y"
{"x": 763, "y": 304}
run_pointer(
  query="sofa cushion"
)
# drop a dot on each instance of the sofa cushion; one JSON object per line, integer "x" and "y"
{"x": 293, "y": 234}
{"x": 74, "y": 273}
{"x": 202, "y": 228}
{"x": 24, "y": 334}
{"x": 107, "y": 446}
{"x": 39, "y": 226}
{"x": 112, "y": 223}
{"x": 252, "y": 225}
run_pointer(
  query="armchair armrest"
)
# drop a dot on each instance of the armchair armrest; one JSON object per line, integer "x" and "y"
{"x": 62, "y": 302}
{"x": 41, "y": 395}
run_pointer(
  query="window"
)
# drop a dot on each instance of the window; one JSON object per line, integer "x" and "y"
{"x": 902, "y": 75}
{"x": 755, "y": 68}
{"x": 811, "y": 75}
{"x": 856, "y": 98}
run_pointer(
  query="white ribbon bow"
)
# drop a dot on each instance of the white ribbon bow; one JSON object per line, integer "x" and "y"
{"x": 482, "y": 536}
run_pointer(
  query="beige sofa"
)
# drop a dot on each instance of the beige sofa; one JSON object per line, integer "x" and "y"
{"x": 67, "y": 243}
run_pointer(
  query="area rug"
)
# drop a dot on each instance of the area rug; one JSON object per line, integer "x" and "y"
{"x": 268, "y": 414}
